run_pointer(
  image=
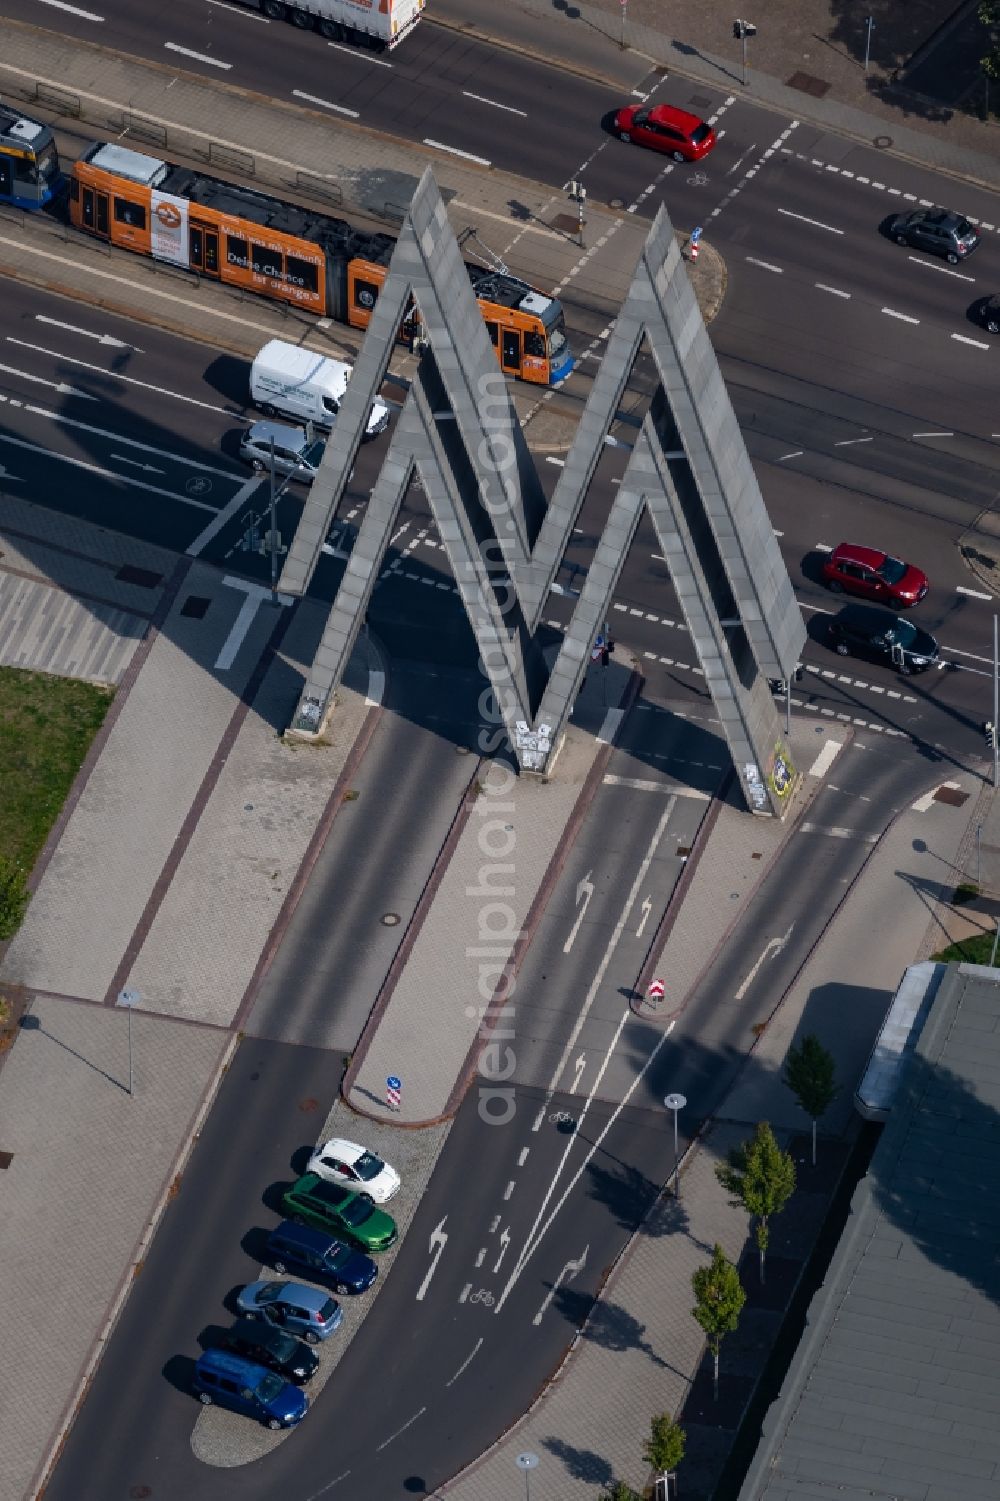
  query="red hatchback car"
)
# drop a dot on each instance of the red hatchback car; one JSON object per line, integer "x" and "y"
{"x": 874, "y": 575}
{"x": 683, "y": 136}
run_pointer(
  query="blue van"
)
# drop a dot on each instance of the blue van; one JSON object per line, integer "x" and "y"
{"x": 245, "y": 1387}
{"x": 300, "y": 1248}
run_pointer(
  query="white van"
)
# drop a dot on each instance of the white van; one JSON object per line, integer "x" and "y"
{"x": 286, "y": 381}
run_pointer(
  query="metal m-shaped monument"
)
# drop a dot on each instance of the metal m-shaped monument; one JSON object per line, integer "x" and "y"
{"x": 459, "y": 433}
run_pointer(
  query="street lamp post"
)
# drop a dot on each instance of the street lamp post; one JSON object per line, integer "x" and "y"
{"x": 676, "y": 1103}
{"x": 129, "y": 999}
{"x": 870, "y": 23}
{"x": 527, "y": 1462}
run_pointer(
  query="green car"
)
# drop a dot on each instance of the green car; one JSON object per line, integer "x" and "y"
{"x": 312, "y": 1201}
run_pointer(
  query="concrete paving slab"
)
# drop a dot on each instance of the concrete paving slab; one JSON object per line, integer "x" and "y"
{"x": 90, "y": 1164}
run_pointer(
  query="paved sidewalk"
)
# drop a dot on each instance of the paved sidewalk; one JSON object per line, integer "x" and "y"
{"x": 641, "y": 1351}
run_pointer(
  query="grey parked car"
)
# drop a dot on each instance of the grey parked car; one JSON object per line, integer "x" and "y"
{"x": 308, "y": 1311}
{"x": 295, "y": 453}
{"x": 937, "y": 230}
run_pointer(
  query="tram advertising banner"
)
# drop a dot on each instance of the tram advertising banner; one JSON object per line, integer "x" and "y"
{"x": 169, "y": 228}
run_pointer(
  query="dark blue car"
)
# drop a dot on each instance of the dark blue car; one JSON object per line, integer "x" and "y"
{"x": 322, "y": 1258}
{"x": 245, "y": 1387}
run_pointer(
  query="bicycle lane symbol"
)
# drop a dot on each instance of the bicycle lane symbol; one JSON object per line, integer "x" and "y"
{"x": 481, "y": 1295}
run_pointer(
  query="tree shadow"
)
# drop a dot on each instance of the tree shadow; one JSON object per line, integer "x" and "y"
{"x": 607, "y": 1324}
{"x": 584, "y": 1465}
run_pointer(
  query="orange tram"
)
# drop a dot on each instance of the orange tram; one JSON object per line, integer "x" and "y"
{"x": 241, "y": 236}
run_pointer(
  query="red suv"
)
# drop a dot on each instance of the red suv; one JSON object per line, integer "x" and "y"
{"x": 874, "y": 575}
{"x": 684, "y": 136}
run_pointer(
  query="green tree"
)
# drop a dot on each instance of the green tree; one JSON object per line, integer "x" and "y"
{"x": 664, "y": 1448}
{"x": 720, "y": 1296}
{"x": 989, "y": 15}
{"x": 809, "y": 1074}
{"x": 761, "y": 1177}
{"x": 617, "y": 1490}
{"x": 14, "y": 897}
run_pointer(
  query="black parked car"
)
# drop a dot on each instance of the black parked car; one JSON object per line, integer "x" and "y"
{"x": 937, "y": 230}
{"x": 867, "y": 631}
{"x": 259, "y": 1340}
{"x": 989, "y": 314}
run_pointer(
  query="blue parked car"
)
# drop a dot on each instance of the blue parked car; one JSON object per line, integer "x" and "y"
{"x": 230, "y": 1381}
{"x": 308, "y": 1311}
{"x": 300, "y": 1248}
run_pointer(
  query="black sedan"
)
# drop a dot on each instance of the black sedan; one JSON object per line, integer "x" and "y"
{"x": 260, "y": 1341}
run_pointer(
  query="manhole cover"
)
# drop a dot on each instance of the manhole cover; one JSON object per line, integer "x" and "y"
{"x": 390, "y": 919}
{"x": 807, "y": 84}
{"x": 882, "y": 142}
{"x": 700, "y": 101}
{"x": 954, "y": 796}
{"x": 568, "y": 223}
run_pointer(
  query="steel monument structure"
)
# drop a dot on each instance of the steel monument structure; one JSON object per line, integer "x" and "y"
{"x": 459, "y": 433}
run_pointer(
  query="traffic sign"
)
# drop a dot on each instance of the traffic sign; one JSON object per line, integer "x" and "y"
{"x": 393, "y": 1091}
{"x": 656, "y": 991}
{"x": 598, "y": 648}
{"x": 696, "y": 235}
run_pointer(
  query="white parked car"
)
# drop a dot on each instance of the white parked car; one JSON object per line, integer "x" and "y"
{"x": 346, "y": 1163}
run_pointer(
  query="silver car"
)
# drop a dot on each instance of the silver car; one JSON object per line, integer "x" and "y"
{"x": 295, "y": 453}
{"x": 307, "y": 1311}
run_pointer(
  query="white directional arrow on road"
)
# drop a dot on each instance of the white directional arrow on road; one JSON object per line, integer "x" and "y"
{"x": 60, "y": 386}
{"x": 584, "y": 891}
{"x": 137, "y": 464}
{"x": 770, "y": 949}
{"x": 504, "y": 1243}
{"x": 570, "y": 1270}
{"x": 438, "y": 1241}
{"x": 646, "y": 909}
{"x": 579, "y": 1066}
{"x": 71, "y": 328}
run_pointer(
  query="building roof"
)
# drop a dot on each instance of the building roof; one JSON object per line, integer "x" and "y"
{"x": 894, "y": 1391}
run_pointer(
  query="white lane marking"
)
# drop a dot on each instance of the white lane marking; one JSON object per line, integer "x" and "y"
{"x": 409, "y": 1422}
{"x": 507, "y": 108}
{"x": 340, "y": 109}
{"x": 928, "y": 800}
{"x": 831, "y": 750}
{"x": 834, "y": 291}
{"x": 54, "y": 385}
{"x": 138, "y": 464}
{"x": 238, "y": 10}
{"x": 964, "y": 339}
{"x": 161, "y": 453}
{"x": 571, "y": 1269}
{"x": 199, "y": 57}
{"x": 559, "y": 463}
{"x": 466, "y": 1290}
{"x": 846, "y": 442}
{"x": 816, "y": 223}
{"x": 932, "y": 435}
{"x": 466, "y": 156}
{"x": 359, "y": 56}
{"x": 613, "y": 942}
{"x": 437, "y": 1242}
{"x": 73, "y": 10}
{"x": 972, "y": 593}
{"x": 531, "y": 1244}
{"x": 772, "y": 948}
{"x": 903, "y": 317}
{"x": 930, "y": 266}
{"x": 523, "y": 1156}
{"x": 795, "y": 454}
{"x": 584, "y": 891}
{"x": 822, "y": 547}
{"x": 955, "y": 652}
{"x": 835, "y": 832}
{"x": 765, "y": 265}
{"x": 130, "y": 380}
{"x": 609, "y": 729}
{"x": 508, "y": 1190}
{"x": 641, "y": 785}
{"x": 467, "y": 1361}
{"x": 87, "y": 333}
{"x": 255, "y": 596}
{"x": 124, "y": 479}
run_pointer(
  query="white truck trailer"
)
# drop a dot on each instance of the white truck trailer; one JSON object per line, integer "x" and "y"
{"x": 367, "y": 23}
